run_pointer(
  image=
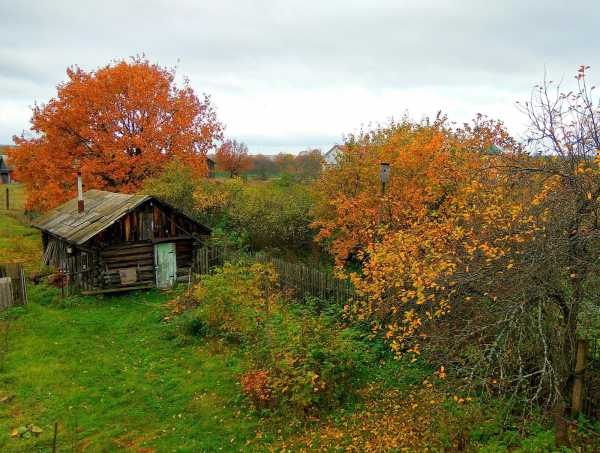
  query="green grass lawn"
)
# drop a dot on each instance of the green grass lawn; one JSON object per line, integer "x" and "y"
{"x": 106, "y": 371}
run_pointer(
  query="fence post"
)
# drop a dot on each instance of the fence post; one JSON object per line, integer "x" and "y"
{"x": 6, "y": 293}
{"x": 7, "y": 199}
{"x": 54, "y": 437}
{"x": 580, "y": 366}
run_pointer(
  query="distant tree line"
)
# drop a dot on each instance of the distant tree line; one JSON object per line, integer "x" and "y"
{"x": 232, "y": 158}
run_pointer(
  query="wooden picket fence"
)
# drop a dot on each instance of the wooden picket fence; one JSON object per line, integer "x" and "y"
{"x": 13, "y": 288}
{"x": 208, "y": 257}
{"x": 304, "y": 280}
{"x": 307, "y": 281}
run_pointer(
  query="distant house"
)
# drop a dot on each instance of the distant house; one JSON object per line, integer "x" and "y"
{"x": 331, "y": 156}
{"x": 211, "y": 167}
{"x": 493, "y": 150}
{"x": 5, "y": 170}
{"x": 106, "y": 242}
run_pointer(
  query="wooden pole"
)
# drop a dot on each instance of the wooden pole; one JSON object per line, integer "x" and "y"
{"x": 580, "y": 366}
{"x": 127, "y": 227}
{"x": 7, "y": 199}
{"x": 55, "y": 435}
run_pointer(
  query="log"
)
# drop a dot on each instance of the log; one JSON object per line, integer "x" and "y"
{"x": 116, "y": 290}
{"x": 129, "y": 263}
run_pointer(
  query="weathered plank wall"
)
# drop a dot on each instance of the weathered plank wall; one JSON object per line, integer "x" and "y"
{"x": 184, "y": 250}
{"x": 96, "y": 270}
{"x": 136, "y": 255}
{"x": 149, "y": 221}
{"x": 6, "y": 293}
{"x": 14, "y": 287}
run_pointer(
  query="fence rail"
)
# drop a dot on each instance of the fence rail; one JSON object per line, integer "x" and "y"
{"x": 309, "y": 281}
{"x": 13, "y": 288}
{"x": 303, "y": 279}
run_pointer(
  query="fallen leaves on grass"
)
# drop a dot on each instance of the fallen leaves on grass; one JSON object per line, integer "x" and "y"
{"x": 179, "y": 305}
{"x": 390, "y": 420}
{"x": 26, "y": 431}
{"x": 5, "y": 399}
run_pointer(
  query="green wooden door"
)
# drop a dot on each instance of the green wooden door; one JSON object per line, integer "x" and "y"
{"x": 166, "y": 264}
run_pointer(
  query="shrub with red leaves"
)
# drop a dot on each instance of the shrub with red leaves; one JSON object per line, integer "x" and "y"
{"x": 256, "y": 386}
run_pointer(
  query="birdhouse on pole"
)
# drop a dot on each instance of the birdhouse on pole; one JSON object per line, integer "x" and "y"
{"x": 384, "y": 175}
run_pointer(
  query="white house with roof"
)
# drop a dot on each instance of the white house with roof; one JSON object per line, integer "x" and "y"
{"x": 331, "y": 156}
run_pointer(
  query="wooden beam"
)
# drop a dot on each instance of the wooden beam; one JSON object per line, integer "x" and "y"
{"x": 127, "y": 227}
{"x": 140, "y": 225}
{"x": 115, "y": 290}
{"x": 173, "y": 225}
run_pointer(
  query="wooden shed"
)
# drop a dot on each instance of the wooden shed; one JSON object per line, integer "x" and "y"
{"x": 5, "y": 170}
{"x": 114, "y": 241}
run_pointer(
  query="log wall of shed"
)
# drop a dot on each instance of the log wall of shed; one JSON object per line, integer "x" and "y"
{"x": 139, "y": 256}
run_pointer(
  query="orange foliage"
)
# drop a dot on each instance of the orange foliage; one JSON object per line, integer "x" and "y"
{"x": 232, "y": 157}
{"x": 256, "y": 386}
{"x": 416, "y": 419}
{"x": 119, "y": 125}
{"x": 415, "y": 241}
{"x": 427, "y": 166}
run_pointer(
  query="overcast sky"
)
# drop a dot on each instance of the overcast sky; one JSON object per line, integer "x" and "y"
{"x": 286, "y": 75}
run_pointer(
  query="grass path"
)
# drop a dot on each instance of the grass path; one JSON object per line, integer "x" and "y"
{"x": 105, "y": 371}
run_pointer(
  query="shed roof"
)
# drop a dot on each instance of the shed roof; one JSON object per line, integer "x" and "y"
{"x": 102, "y": 209}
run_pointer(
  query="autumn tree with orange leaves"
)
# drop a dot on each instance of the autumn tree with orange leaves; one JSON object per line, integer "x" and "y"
{"x": 430, "y": 162}
{"x": 118, "y": 125}
{"x": 446, "y": 214}
{"x": 482, "y": 250}
{"x": 232, "y": 157}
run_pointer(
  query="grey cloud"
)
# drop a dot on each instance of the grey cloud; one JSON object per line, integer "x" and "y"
{"x": 240, "y": 48}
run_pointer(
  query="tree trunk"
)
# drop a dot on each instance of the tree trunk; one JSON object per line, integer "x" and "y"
{"x": 560, "y": 424}
{"x": 580, "y": 366}
{"x": 568, "y": 361}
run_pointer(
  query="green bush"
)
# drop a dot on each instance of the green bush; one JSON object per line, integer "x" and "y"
{"x": 309, "y": 366}
{"x": 259, "y": 214}
{"x": 175, "y": 185}
{"x": 232, "y": 303}
{"x": 294, "y": 360}
{"x": 272, "y": 216}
